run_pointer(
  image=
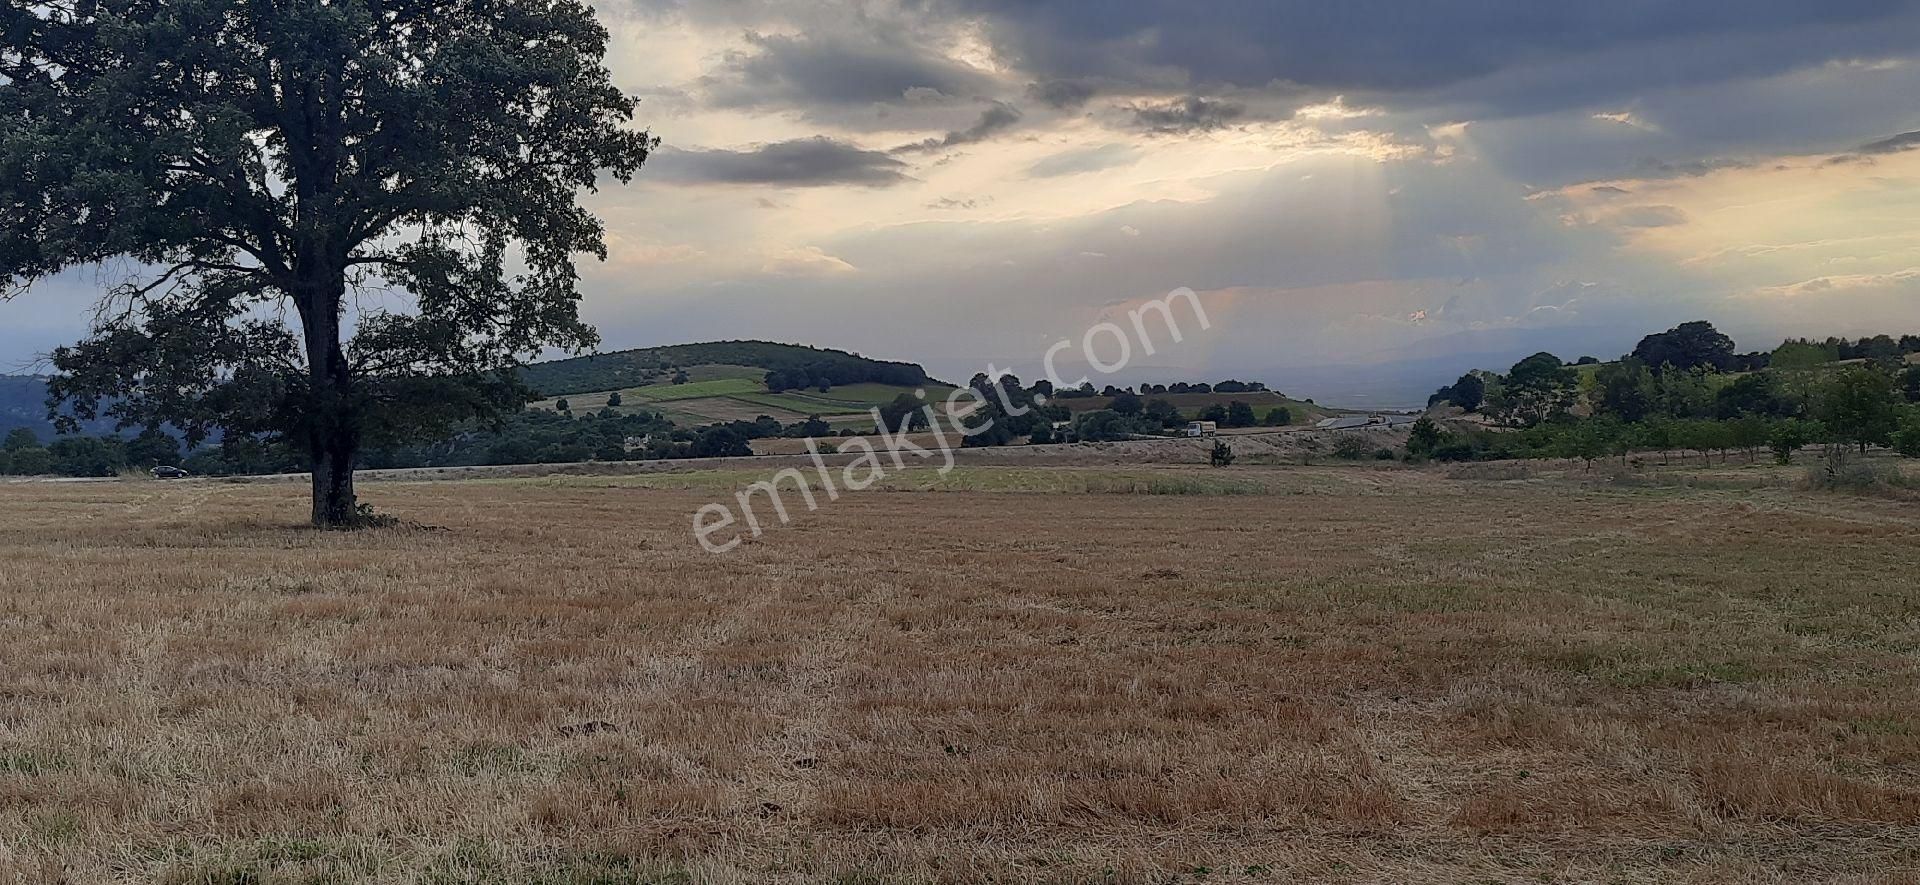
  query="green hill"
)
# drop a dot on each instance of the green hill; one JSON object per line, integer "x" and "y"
{"x": 626, "y": 369}
{"x": 719, "y": 393}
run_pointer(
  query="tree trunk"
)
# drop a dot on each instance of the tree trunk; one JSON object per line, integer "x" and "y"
{"x": 333, "y": 426}
{"x": 334, "y": 504}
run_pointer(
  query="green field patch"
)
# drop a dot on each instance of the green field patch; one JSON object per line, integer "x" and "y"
{"x": 724, "y": 372}
{"x": 667, "y": 393}
{"x": 848, "y": 399}
{"x": 733, "y": 408}
{"x": 871, "y": 394}
{"x": 788, "y": 402}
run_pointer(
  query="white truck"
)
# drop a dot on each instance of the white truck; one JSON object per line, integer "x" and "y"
{"x": 1202, "y": 428}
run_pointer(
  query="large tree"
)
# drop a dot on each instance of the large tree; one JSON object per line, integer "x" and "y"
{"x": 1687, "y": 346}
{"x": 1861, "y": 405}
{"x": 1537, "y": 388}
{"x": 347, "y": 219}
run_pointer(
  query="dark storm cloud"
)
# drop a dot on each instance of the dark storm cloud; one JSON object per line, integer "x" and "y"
{"x": 994, "y": 119}
{"x": 1892, "y": 144}
{"x": 1063, "y": 94}
{"x": 1388, "y": 47}
{"x": 1189, "y": 114}
{"x": 805, "y": 162}
{"x": 1866, "y": 153}
{"x": 839, "y": 69}
{"x": 1173, "y": 66}
{"x": 1649, "y": 167}
{"x": 1905, "y": 141}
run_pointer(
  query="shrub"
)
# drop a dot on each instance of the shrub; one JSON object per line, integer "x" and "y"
{"x": 1279, "y": 417}
{"x": 1425, "y": 437}
{"x": 32, "y": 461}
{"x": 1107, "y": 426}
{"x": 1239, "y": 414}
{"x": 1840, "y": 470}
{"x": 1351, "y": 447}
{"x": 1788, "y": 437}
{"x": 85, "y": 456}
{"x": 1222, "y": 454}
{"x": 1907, "y": 440}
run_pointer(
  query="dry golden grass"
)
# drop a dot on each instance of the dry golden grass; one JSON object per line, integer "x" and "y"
{"x": 1274, "y": 674}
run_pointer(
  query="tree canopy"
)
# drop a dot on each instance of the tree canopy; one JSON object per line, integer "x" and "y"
{"x": 1538, "y": 387}
{"x": 1687, "y": 346}
{"x": 350, "y": 219}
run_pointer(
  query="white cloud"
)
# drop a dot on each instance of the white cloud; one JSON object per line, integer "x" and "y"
{"x": 805, "y": 261}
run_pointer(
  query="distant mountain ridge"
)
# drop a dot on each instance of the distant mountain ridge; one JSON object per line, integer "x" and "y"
{"x": 23, "y": 403}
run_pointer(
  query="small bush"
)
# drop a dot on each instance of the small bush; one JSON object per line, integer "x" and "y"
{"x": 1222, "y": 454}
{"x": 1351, "y": 447}
{"x": 1907, "y": 440}
{"x": 1840, "y": 470}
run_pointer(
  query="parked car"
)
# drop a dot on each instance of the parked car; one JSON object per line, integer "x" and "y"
{"x": 165, "y": 472}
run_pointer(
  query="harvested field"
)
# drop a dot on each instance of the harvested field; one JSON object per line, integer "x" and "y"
{"x": 1148, "y": 673}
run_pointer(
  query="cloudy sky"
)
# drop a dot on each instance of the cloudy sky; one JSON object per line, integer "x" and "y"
{"x": 1421, "y": 182}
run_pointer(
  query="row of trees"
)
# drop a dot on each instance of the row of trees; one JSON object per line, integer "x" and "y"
{"x": 1594, "y": 438}
{"x": 1009, "y": 412}
{"x": 1230, "y": 385}
{"x": 1687, "y": 390}
{"x": 531, "y": 437}
{"x": 562, "y": 436}
{"x": 833, "y": 368}
{"x": 23, "y": 454}
{"x": 1232, "y": 414}
{"x": 1858, "y": 400}
{"x": 1698, "y": 345}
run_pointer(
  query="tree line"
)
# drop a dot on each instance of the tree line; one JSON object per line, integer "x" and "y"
{"x": 530, "y": 437}
{"x": 1686, "y": 390}
{"x": 1008, "y": 412}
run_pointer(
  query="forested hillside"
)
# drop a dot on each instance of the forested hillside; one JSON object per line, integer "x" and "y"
{"x": 1688, "y": 389}
{"x": 637, "y": 368}
{"x": 23, "y": 403}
